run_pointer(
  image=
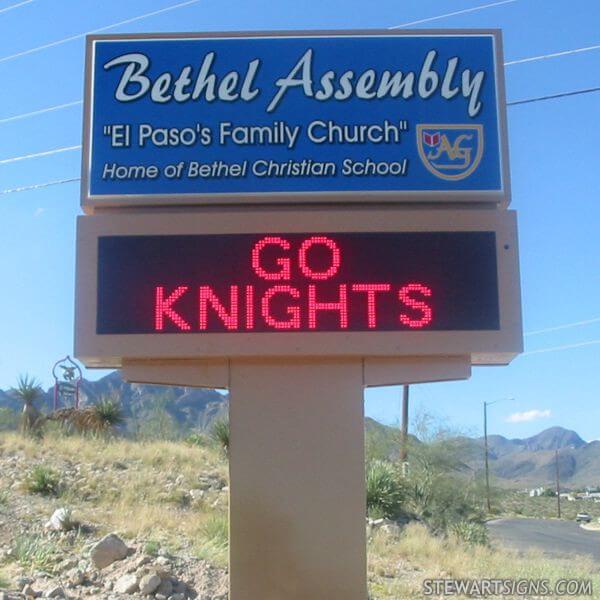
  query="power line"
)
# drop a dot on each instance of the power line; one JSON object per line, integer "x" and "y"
{"x": 38, "y": 154}
{"x": 41, "y": 111}
{"x": 105, "y": 28}
{"x": 514, "y": 103}
{"x": 553, "y": 55}
{"x": 553, "y": 96}
{"x": 565, "y": 326}
{"x": 7, "y": 8}
{"x": 565, "y": 347}
{"x": 69, "y": 148}
{"x": 38, "y": 186}
{"x": 452, "y": 14}
{"x": 78, "y": 147}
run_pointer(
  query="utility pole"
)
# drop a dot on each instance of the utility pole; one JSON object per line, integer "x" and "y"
{"x": 487, "y": 454}
{"x": 404, "y": 433}
{"x": 557, "y": 484}
{"x": 487, "y": 466}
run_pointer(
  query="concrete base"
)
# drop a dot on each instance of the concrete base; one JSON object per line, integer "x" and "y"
{"x": 297, "y": 496}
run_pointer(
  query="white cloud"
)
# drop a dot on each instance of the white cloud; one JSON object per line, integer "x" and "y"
{"x": 38, "y": 212}
{"x": 528, "y": 415}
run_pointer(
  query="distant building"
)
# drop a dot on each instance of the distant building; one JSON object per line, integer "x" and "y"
{"x": 536, "y": 492}
{"x": 568, "y": 496}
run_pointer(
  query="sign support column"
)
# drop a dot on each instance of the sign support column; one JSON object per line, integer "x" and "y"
{"x": 297, "y": 497}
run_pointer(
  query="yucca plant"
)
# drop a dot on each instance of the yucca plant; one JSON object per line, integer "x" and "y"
{"x": 100, "y": 418}
{"x": 384, "y": 490}
{"x": 220, "y": 434}
{"x": 43, "y": 480}
{"x": 109, "y": 414}
{"x": 28, "y": 390}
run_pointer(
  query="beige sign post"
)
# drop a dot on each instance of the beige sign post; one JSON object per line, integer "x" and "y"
{"x": 203, "y": 262}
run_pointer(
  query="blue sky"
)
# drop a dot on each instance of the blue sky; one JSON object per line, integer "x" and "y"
{"x": 554, "y": 152}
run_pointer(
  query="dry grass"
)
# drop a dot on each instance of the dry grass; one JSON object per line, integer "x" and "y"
{"x": 130, "y": 487}
{"x": 397, "y": 567}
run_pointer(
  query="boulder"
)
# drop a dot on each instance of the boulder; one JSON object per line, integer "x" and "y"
{"x": 108, "y": 550}
{"x": 55, "y": 591}
{"x": 127, "y": 584}
{"x": 165, "y": 588}
{"x": 149, "y": 584}
{"x": 61, "y": 520}
{"x": 76, "y": 577}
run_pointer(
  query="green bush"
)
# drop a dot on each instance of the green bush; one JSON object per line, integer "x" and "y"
{"x": 197, "y": 439}
{"x": 449, "y": 500}
{"x": 384, "y": 490}
{"x": 9, "y": 419}
{"x": 214, "y": 540}
{"x": 4, "y": 582}
{"x": 216, "y": 530}
{"x": 152, "y": 547}
{"x": 43, "y": 480}
{"x": 33, "y": 551}
{"x": 471, "y": 533}
{"x": 157, "y": 423}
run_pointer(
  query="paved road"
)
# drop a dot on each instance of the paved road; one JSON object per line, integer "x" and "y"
{"x": 555, "y": 538}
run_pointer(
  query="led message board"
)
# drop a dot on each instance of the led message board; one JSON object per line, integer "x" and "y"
{"x": 295, "y": 283}
{"x": 281, "y": 282}
{"x": 334, "y": 116}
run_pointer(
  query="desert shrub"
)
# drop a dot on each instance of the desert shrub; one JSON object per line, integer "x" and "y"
{"x": 34, "y": 551}
{"x": 441, "y": 489}
{"x": 214, "y": 540}
{"x": 216, "y": 529}
{"x": 43, "y": 480}
{"x": 471, "y": 533}
{"x": 384, "y": 490}
{"x": 220, "y": 434}
{"x": 151, "y": 547}
{"x": 179, "y": 498}
{"x": 450, "y": 500}
{"x": 157, "y": 422}
{"x": 3, "y": 497}
{"x": 9, "y": 419}
{"x": 197, "y": 439}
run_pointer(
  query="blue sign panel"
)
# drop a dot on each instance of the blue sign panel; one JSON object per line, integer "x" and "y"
{"x": 383, "y": 115}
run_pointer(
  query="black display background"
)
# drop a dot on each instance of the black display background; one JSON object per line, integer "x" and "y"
{"x": 459, "y": 267}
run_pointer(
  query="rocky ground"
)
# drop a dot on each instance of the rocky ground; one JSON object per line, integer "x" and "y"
{"x": 46, "y": 551}
{"x": 110, "y": 569}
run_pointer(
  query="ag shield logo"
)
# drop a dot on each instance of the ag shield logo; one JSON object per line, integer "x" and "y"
{"x": 450, "y": 152}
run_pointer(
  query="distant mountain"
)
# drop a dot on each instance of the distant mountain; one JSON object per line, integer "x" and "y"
{"x": 528, "y": 462}
{"x": 554, "y": 438}
{"x": 189, "y": 408}
{"x": 531, "y": 462}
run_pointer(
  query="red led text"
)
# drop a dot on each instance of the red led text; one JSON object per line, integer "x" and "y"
{"x": 295, "y": 287}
